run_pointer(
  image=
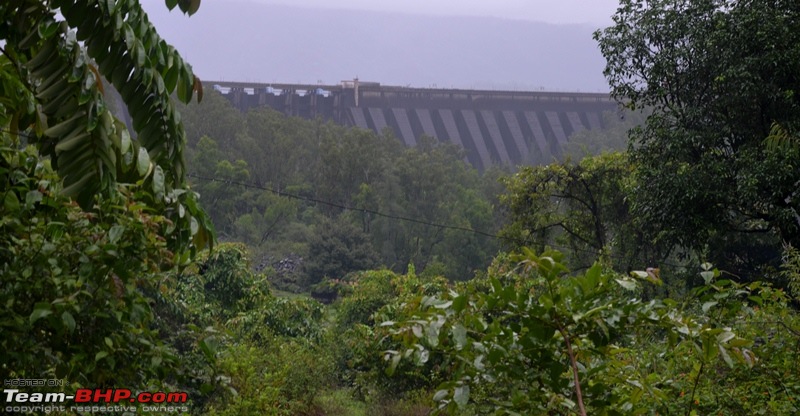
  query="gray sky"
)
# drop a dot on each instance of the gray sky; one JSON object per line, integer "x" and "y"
{"x": 423, "y": 43}
{"x": 552, "y": 11}
{"x": 594, "y": 12}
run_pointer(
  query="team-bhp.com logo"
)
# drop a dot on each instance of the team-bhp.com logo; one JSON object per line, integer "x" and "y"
{"x": 95, "y": 400}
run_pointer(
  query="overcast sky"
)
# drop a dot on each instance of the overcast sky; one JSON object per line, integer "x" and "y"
{"x": 594, "y": 12}
{"x": 552, "y": 11}
{"x": 446, "y": 43}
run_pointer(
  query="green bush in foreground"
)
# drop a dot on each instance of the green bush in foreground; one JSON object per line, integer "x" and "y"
{"x": 72, "y": 283}
{"x": 533, "y": 339}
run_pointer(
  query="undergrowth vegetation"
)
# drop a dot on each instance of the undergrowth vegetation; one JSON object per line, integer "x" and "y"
{"x": 526, "y": 337}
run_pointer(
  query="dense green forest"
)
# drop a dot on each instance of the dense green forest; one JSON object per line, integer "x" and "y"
{"x": 332, "y": 200}
{"x": 270, "y": 265}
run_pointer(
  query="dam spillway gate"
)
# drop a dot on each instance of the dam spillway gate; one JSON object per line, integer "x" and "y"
{"x": 507, "y": 127}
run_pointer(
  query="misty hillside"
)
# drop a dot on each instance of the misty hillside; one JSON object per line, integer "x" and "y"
{"x": 296, "y": 45}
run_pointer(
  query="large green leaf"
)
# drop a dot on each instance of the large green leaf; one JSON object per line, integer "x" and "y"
{"x": 40, "y": 310}
{"x": 461, "y": 395}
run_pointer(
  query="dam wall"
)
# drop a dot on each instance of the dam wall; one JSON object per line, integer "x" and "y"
{"x": 506, "y": 127}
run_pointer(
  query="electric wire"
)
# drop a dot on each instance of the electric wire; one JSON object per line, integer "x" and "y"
{"x": 395, "y": 217}
{"x": 501, "y": 237}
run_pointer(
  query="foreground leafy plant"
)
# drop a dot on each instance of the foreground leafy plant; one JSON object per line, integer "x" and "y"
{"x": 530, "y": 339}
{"x": 54, "y": 56}
{"x": 73, "y": 282}
{"x": 90, "y": 216}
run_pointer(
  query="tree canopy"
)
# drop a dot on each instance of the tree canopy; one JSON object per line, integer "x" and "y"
{"x": 53, "y": 57}
{"x": 290, "y": 187}
{"x": 91, "y": 214}
{"x": 718, "y": 75}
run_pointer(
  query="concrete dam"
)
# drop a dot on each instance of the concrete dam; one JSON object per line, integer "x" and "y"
{"x": 506, "y": 127}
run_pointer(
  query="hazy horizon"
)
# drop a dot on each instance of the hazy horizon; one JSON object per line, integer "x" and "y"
{"x": 417, "y": 44}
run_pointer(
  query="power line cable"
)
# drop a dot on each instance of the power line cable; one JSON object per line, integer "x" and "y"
{"x": 350, "y": 208}
{"x": 333, "y": 204}
{"x": 403, "y": 218}
{"x": 382, "y": 214}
